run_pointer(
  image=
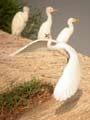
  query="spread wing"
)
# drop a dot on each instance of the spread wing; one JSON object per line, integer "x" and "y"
{"x": 32, "y": 46}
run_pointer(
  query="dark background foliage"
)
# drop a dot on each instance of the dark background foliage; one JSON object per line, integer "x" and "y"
{"x": 8, "y": 8}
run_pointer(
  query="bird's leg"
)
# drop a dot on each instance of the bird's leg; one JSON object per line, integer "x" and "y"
{"x": 16, "y": 37}
{"x": 20, "y": 37}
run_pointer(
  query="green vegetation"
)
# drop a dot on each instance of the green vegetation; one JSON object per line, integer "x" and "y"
{"x": 8, "y": 8}
{"x": 33, "y": 23}
{"x": 21, "y": 93}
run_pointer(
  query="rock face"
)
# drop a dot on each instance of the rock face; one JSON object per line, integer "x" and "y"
{"x": 47, "y": 66}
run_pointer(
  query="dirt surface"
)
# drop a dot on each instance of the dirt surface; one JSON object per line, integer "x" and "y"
{"x": 76, "y": 108}
{"x": 47, "y": 66}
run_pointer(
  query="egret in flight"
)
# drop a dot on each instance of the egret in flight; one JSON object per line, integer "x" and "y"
{"x": 19, "y": 21}
{"x": 45, "y": 29}
{"x": 67, "y": 32}
{"x": 69, "y": 82}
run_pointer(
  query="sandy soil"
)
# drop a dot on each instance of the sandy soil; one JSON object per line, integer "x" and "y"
{"x": 47, "y": 66}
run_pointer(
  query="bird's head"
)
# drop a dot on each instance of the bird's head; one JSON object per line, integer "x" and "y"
{"x": 26, "y": 9}
{"x": 50, "y": 9}
{"x": 73, "y": 20}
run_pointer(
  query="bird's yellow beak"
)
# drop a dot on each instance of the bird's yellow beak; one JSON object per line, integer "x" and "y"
{"x": 77, "y": 20}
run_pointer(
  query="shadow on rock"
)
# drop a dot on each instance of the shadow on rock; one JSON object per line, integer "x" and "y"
{"x": 69, "y": 104}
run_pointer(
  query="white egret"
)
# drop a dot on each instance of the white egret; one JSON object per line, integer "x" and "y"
{"x": 69, "y": 82}
{"x": 45, "y": 29}
{"x": 67, "y": 32}
{"x": 19, "y": 21}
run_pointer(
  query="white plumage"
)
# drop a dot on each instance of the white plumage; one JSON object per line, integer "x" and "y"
{"x": 35, "y": 45}
{"x": 19, "y": 21}
{"x": 69, "y": 82}
{"x": 45, "y": 29}
{"x": 67, "y": 32}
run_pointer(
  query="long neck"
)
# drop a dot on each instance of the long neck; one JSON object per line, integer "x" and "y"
{"x": 70, "y": 25}
{"x": 69, "y": 49}
{"x": 73, "y": 57}
{"x": 49, "y": 19}
{"x": 72, "y": 53}
{"x": 26, "y": 16}
{"x": 73, "y": 62}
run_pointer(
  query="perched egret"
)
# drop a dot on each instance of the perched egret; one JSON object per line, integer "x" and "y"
{"x": 19, "y": 21}
{"x": 45, "y": 29}
{"x": 69, "y": 82}
{"x": 67, "y": 32}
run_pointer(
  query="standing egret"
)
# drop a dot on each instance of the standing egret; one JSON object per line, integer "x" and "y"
{"x": 45, "y": 29}
{"x": 69, "y": 82}
{"x": 19, "y": 21}
{"x": 67, "y": 32}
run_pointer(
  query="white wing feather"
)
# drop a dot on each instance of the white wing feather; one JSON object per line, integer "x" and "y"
{"x": 45, "y": 29}
{"x": 18, "y": 24}
{"x": 69, "y": 81}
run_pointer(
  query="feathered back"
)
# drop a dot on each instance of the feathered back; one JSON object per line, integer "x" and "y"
{"x": 69, "y": 82}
